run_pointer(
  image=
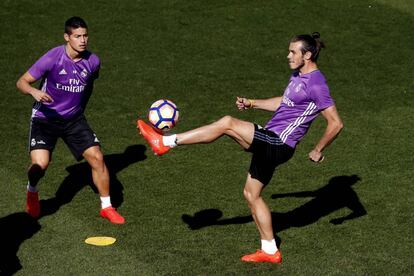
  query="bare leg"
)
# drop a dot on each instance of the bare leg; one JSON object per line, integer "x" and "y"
{"x": 260, "y": 211}
{"x": 241, "y": 131}
{"x": 263, "y": 219}
{"x": 100, "y": 174}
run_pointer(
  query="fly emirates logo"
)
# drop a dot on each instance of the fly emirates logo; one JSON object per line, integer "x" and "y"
{"x": 288, "y": 101}
{"x": 74, "y": 86}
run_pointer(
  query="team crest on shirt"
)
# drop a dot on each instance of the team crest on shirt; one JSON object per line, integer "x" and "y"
{"x": 84, "y": 73}
{"x": 298, "y": 88}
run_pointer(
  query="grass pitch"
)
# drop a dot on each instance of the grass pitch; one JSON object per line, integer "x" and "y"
{"x": 185, "y": 211}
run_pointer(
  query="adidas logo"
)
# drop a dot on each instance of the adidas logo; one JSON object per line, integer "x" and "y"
{"x": 62, "y": 72}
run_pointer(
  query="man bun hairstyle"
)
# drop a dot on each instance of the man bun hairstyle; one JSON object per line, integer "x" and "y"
{"x": 74, "y": 23}
{"x": 310, "y": 43}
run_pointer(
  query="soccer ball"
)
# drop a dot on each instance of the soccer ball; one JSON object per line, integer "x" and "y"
{"x": 163, "y": 114}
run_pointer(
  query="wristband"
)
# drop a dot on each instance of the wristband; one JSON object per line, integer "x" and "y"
{"x": 251, "y": 102}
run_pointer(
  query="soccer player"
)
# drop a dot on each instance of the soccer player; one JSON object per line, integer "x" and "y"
{"x": 306, "y": 95}
{"x": 67, "y": 74}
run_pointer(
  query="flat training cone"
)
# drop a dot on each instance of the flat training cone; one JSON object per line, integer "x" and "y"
{"x": 100, "y": 241}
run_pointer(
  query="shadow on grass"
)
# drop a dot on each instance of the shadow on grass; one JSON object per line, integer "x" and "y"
{"x": 337, "y": 194}
{"x": 80, "y": 176}
{"x": 14, "y": 229}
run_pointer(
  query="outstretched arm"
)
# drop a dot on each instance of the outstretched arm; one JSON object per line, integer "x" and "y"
{"x": 334, "y": 126}
{"x": 296, "y": 194}
{"x": 24, "y": 84}
{"x": 270, "y": 104}
{"x": 357, "y": 209}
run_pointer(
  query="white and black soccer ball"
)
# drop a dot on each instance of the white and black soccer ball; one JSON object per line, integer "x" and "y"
{"x": 163, "y": 114}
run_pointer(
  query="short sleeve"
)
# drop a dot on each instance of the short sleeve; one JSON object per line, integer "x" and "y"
{"x": 96, "y": 72}
{"x": 43, "y": 65}
{"x": 321, "y": 96}
{"x": 96, "y": 66}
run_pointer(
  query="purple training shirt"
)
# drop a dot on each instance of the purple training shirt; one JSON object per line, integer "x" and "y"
{"x": 304, "y": 98}
{"x": 65, "y": 81}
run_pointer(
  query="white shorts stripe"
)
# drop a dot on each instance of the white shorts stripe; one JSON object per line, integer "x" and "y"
{"x": 268, "y": 139}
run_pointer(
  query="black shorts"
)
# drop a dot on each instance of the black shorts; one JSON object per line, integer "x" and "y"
{"x": 268, "y": 152}
{"x": 76, "y": 134}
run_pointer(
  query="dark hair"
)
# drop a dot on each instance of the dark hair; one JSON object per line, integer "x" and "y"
{"x": 74, "y": 23}
{"x": 310, "y": 43}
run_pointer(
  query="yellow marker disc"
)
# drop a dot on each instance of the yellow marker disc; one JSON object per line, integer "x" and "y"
{"x": 100, "y": 241}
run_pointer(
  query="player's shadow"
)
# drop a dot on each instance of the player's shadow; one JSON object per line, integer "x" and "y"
{"x": 14, "y": 229}
{"x": 337, "y": 194}
{"x": 80, "y": 175}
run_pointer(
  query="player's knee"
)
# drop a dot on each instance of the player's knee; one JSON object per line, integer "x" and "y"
{"x": 226, "y": 121}
{"x": 249, "y": 196}
{"x": 96, "y": 159}
{"x": 38, "y": 166}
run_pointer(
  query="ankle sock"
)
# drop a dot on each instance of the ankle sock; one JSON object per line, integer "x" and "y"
{"x": 269, "y": 247}
{"x": 105, "y": 202}
{"x": 170, "y": 140}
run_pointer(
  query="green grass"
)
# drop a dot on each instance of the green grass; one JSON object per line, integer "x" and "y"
{"x": 202, "y": 54}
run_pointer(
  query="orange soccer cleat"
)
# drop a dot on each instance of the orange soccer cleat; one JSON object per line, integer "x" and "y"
{"x": 112, "y": 215}
{"x": 32, "y": 204}
{"x": 261, "y": 257}
{"x": 153, "y": 138}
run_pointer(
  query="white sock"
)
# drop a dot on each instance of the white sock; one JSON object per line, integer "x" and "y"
{"x": 170, "y": 140}
{"x": 105, "y": 202}
{"x": 32, "y": 189}
{"x": 269, "y": 247}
